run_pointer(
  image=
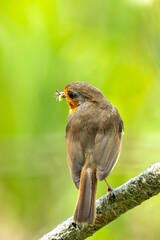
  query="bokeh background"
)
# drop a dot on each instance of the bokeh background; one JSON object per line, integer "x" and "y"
{"x": 44, "y": 45}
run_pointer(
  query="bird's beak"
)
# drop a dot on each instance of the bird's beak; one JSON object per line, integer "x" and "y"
{"x": 60, "y": 95}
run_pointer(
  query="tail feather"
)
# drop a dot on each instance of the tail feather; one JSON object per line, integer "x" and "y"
{"x": 85, "y": 210}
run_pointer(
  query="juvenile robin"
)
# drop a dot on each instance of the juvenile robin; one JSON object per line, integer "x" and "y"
{"x": 93, "y": 142}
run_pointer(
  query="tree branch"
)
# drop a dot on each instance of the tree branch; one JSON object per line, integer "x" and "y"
{"x": 122, "y": 199}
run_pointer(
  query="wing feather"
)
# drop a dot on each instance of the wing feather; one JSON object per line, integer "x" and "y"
{"x": 75, "y": 158}
{"x": 106, "y": 152}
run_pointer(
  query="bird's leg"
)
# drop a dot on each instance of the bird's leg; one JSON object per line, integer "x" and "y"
{"x": 109, "y": 189}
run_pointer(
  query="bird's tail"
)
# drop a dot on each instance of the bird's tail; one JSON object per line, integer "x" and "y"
{"x": 85, "y": 210}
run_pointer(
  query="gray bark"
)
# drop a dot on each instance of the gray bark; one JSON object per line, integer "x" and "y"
{"x": 122, "y": 199}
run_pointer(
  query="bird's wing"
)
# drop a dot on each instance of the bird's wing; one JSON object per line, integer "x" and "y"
{"x": 106, "y": 151}
{"x": 75, "y": 158}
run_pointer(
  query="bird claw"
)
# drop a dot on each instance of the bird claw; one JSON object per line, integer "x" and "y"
{"x": 109, "y": 190}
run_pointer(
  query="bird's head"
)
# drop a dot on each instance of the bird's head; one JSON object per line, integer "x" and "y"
{"x": 78, "y": 93}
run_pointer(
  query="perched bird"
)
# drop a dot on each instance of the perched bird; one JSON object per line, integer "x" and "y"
{"x": 93, "y": 142}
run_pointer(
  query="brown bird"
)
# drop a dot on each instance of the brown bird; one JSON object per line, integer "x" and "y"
{"x": 93, "y": 142}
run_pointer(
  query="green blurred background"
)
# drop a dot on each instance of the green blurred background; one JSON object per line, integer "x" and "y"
{"x": 44, "y": 45}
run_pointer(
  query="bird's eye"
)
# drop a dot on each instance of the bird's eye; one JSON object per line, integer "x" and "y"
{"x": 71, "y": 95}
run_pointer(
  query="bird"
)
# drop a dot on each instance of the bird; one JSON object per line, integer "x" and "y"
{"x": 93, "y": 143}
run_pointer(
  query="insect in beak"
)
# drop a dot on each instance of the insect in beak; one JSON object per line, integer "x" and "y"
{"x": 59, "y": 95}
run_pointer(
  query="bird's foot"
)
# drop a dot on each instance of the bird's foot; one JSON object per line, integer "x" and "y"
{"x": 109, "y": 189}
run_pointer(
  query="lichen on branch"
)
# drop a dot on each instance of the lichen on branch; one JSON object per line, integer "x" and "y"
{"x": 122, "y": 199}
